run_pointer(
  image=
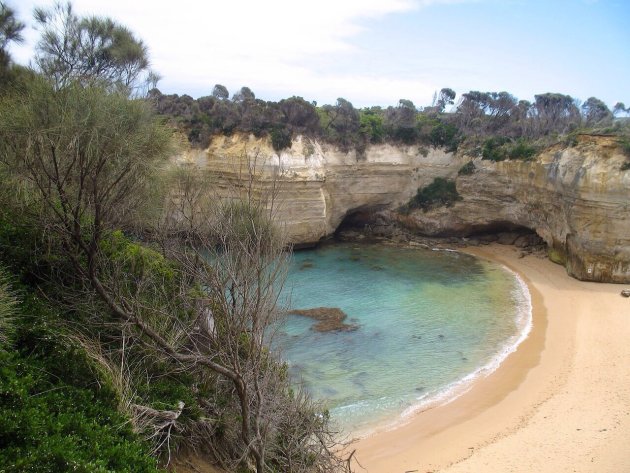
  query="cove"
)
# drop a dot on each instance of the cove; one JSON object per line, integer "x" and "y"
{"x": 425, "y": 324}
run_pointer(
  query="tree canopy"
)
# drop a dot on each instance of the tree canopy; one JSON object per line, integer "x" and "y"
{"x": 90, "y": 49}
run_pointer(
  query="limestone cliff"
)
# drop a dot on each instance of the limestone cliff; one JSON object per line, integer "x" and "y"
{"x": 576, "y": 198}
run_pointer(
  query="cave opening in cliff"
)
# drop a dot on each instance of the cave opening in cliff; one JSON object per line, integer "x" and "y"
{"x": 506, "y": 233}
{"x": 361, "y": 220}
{"x": 365, "y": 221}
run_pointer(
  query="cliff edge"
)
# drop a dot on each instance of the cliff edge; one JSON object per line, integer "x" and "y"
{"x": 575, "y": 197}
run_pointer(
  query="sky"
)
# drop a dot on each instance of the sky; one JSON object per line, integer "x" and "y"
{"x": 374, "y": 52}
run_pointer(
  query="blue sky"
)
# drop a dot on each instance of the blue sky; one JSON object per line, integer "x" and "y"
{"x": 374, "y": 52}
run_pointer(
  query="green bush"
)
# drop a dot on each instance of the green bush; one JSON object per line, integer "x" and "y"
{"x": 467, "y": 169}
{"x": 371, "y": 126}
{"x": 500, "y": 148}
{"x": 493, "y": 148}
{"x": 49, "y": 425}
{"x": 441, "y": 192}
{"x": 522, "y": 150}
{"x": 54, "y": 416}
{"x": 444, "y": 135}
{"x": 280, "y": 138}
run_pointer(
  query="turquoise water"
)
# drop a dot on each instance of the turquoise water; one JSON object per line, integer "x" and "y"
{"x": 429, "y": 322}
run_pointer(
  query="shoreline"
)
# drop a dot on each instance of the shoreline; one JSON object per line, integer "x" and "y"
{"x": 459, "y": 387}
{"x": 498, "y": 424}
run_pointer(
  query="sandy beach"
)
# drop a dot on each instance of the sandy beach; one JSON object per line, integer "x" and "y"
{"x": 560, "y": 403}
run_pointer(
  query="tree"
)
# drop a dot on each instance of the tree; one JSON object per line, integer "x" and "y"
{"x": 238, "y": 255}
{"x": 220, "y": 92}
{"x": 486, "y": 111}
{"x": 342, "y": 123}
{"x": 400, "y": 121}
{"x": 620, "y": 108}
{"x": 10, "y": 31}
{"x": 554, "y": 112}
{"x": 90, "y": 50}
{"x": 372, "y": 125}
{"x": 10, "y": 27}
{"x": 86, "y": 139}
{"x": 595, "y": 111}
{"x": 299, "y": 115}
{"x": 444, "y": 98}
{"x": 244, "y": 95}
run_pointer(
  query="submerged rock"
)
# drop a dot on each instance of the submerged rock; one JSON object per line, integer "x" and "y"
{"x": 307, "y": 264}
{"x": 329, "y": 319}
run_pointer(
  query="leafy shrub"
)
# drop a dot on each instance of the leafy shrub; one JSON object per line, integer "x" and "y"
{"x": 371, "y": 126}
{"x": 280, "y": 138}
{"x": 49, "y": 425}
{"x": 493, "y": 149}
{"x": 500, "y": 148}
{"x": 445, "y": 135}
{"x": 625, "y": 166}
{"x": 467, "y": 169}
{"x": 522, "y": 151}
{"x": 54, "y": 416}
{"x": 441, "y": 192}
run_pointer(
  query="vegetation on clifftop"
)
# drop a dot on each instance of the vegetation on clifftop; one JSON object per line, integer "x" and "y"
{"x": 494, "y": 125}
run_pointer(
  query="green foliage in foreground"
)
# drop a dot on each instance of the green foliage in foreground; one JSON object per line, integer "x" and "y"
{"x": 54, "y": 416}
{"x": 440, "y": 193}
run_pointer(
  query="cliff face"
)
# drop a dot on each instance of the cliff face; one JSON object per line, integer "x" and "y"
{"x": 318, "y": 185}
{"x": 576, "y": 198}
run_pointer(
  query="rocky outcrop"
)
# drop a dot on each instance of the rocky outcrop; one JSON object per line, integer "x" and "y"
{"x": 329, "y": 319}
{"x": 318, "y": 185}
{"x": 576, "y": 198}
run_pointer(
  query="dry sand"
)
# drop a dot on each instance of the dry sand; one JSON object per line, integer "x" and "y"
{"x": 560, "y": 403}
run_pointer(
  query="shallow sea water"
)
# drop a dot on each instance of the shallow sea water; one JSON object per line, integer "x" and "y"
{"x": 429, "y": 323}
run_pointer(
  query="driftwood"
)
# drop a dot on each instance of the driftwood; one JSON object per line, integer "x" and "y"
{"x": 157, "y": 424}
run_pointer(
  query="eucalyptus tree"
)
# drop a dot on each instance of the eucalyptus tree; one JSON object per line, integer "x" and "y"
{"x": 400, "y": 121}
{"x": 10, "y": 32}
{"x": 554, "y": 112}
{"x": 620, "y": 108}
{"x": 444, "y": 98}
{"x": 220, "y": 92}
{"x": 299, "y": 115}
{"x": 595, "y": 111}
{"x": 89, "y": 50}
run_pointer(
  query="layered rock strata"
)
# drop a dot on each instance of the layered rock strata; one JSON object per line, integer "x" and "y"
{"x": 576, "y": 198}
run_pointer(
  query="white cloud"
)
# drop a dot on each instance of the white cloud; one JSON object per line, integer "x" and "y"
{"x": 271, "y": 46}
